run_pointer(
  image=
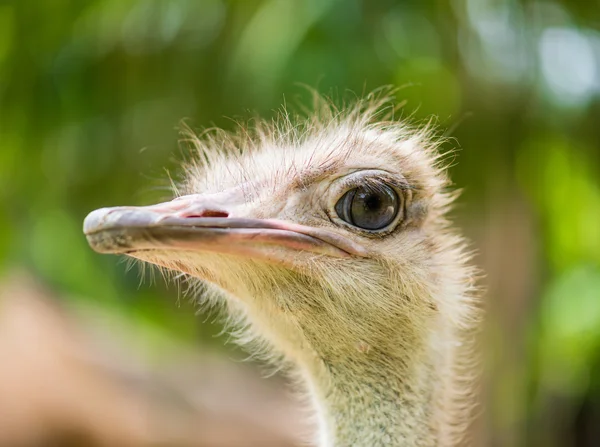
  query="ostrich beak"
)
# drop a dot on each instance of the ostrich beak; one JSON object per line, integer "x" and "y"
{"x": 187, "y": 224}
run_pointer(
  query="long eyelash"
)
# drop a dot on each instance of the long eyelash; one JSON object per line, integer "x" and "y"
{"x": 378, "y": 183}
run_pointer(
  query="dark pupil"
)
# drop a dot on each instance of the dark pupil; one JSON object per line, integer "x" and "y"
{"x": 369, "y": 208}
{"x": 372, "y": 202}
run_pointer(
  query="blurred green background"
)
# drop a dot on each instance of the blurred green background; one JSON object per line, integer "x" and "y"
{"x": 92, "y": 93}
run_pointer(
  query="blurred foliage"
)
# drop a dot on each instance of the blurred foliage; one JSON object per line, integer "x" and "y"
{"x": 92, "y": 91}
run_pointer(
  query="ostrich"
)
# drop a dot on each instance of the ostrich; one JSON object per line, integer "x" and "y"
{"x": 327, "y": 240}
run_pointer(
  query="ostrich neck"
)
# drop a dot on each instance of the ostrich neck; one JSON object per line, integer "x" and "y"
{"x": 388, "y": 381}
{"x": 376, "y": 404}
{"x": 386, "y": 391}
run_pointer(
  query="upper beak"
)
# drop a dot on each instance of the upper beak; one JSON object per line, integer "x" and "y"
{"x": 182, "y": 225}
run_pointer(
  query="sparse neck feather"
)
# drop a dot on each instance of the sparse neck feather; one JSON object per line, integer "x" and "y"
{"x": 399, "y": 388}
{"x": 376, "y": 409}
{"x": 377, "y": 399}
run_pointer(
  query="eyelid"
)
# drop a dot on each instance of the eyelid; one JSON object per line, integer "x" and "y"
{"x": 374, "y": 177}
{"x": 376, "y": 182}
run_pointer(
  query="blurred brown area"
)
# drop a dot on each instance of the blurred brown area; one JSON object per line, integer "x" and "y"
{"x": 509, "y": 283}
{"x": 66, "y": 379}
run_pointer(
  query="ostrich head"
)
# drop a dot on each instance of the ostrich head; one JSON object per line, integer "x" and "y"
{"x": 328, "y": 238}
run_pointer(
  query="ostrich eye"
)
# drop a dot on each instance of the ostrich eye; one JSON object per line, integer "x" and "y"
{"x": 368, "y": 207}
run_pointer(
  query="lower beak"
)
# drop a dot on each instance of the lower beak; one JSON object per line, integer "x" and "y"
{"x": 127, "y": 230}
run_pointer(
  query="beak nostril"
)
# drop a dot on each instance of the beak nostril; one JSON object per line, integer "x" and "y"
{"x": 209, "y": 213}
